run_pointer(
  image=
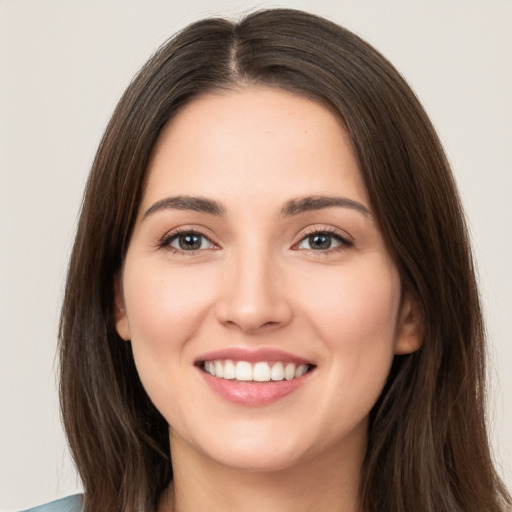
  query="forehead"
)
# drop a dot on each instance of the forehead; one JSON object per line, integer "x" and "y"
{"x": 259, "y": 140}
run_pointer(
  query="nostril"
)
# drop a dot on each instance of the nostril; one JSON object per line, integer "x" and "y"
{"x": 252, "y": 304}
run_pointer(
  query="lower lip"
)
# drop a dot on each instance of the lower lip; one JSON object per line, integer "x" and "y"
{"x": 253, "y": 394}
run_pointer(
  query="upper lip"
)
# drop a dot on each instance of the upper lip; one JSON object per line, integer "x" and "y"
{"x": 252, "y": 355}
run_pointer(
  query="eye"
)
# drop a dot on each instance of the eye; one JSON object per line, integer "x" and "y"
{"x": 186, "y": 241}
{"x": 323, "y": 241}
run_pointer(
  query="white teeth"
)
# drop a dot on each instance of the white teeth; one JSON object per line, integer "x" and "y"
{"x": 277, "y": 372}
{"x": 289, "y": 371}
{"x": 219, "y": 369}
{"x": 259, "y": 372}
{"x": 243, "y": 370}
{"x": 209, "y": 367}
{"x": 299, "y": 372}
{"x": 229, "y": 370}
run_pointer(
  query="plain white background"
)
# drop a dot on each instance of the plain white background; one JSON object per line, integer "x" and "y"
{"x": 63, "y": 66}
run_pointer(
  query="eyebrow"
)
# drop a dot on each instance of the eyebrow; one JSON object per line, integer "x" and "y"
{"x": 290, "y": 208}
{"x": 309, "y": 203}
{"x": 196, "y": 204}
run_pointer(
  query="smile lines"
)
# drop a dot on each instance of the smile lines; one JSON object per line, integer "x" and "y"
{"x": 257, "y": 372}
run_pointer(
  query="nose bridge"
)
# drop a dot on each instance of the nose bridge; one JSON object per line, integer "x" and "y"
{"x": 253, "y": 296}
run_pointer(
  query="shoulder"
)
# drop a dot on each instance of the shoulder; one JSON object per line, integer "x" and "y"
{"x": 69, "y": 504}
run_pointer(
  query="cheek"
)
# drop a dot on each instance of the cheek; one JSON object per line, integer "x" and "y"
{"x": 355, "y": 319}
{"x": 165, "y": 310}
{"x": 356, "y": 301}
{"x": 355, "y": 314}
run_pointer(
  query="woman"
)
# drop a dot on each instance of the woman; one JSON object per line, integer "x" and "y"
{"x": 271, "y": 302}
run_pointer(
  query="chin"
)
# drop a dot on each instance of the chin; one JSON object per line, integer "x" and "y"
{"x": 257, "y": 460}
{"x": 260, "y": 449}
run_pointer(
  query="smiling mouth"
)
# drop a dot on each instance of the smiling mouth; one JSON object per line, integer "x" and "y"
{"x": 262, "y": 371}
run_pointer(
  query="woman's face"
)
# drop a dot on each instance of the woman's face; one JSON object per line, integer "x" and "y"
{"x": 256, "y": 257}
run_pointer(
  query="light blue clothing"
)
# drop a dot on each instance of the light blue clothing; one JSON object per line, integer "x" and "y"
{"x": 69, "y": 504}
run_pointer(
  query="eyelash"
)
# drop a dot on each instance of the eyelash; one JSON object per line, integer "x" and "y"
{"x": 345, "y": 242}
{"x": 165, "y": 242}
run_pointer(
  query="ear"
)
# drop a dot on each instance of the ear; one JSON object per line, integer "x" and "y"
{"x": 120, "y": 316}
{"x": 409, "y": 336}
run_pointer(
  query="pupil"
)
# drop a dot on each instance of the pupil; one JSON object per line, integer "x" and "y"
{"x": 190, "y": 242}
{"x": 320, "y": 241}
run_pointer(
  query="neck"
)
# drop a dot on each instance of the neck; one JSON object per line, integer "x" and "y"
{"x": 328, "y": 482}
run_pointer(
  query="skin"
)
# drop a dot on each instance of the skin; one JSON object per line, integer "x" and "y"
{"x": 258, "y": 282}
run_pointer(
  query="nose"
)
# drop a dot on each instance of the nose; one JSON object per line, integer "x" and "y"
{"x": 253, "y": 294}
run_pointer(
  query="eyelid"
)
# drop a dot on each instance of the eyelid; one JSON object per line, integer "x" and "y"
{"x": 168, "y": 237}
{"x": 345, "y": 238}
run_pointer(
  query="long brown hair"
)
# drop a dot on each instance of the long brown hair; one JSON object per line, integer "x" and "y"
{"x": 428, "y": 447}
